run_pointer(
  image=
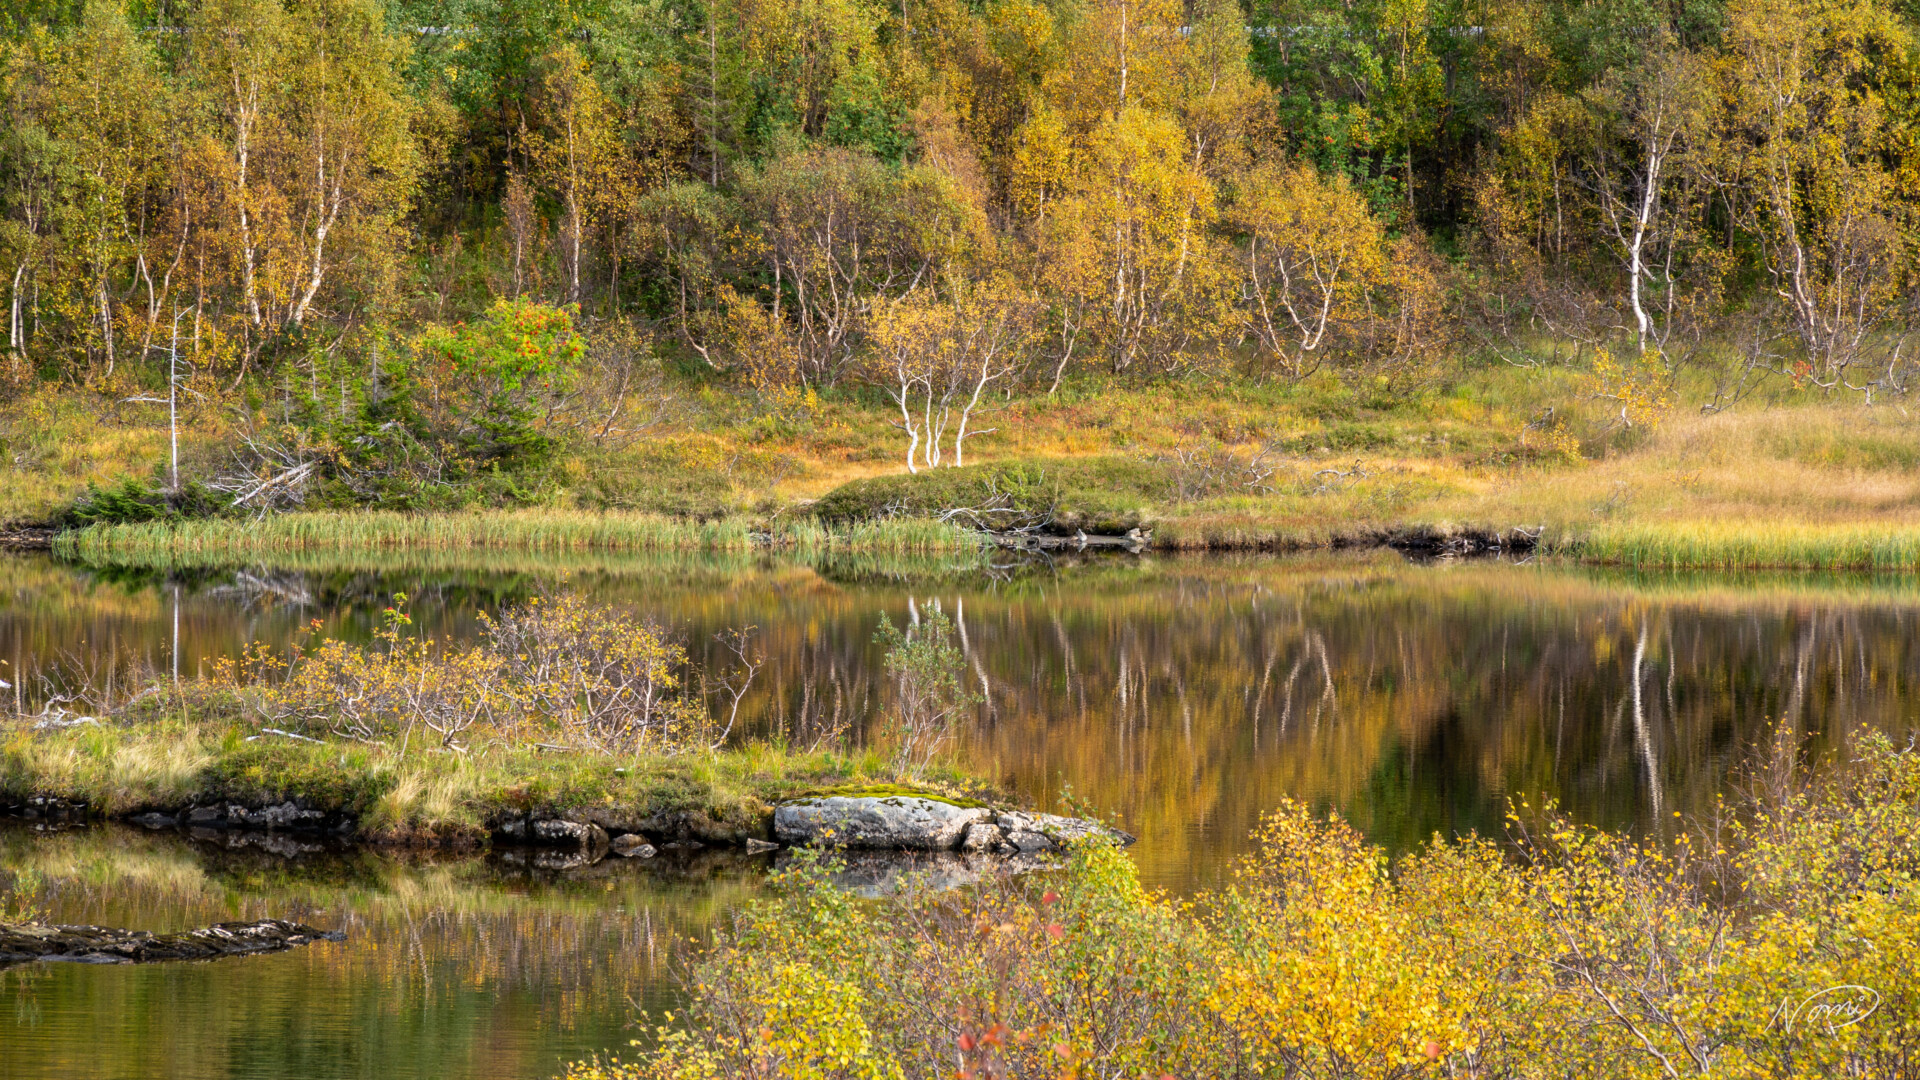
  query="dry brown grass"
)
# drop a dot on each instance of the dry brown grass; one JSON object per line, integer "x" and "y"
{"x": 1815, "y": 464}
{"x": 52, "y": 444}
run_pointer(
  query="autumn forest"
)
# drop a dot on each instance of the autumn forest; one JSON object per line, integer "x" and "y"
{"x": 804, "y": 193}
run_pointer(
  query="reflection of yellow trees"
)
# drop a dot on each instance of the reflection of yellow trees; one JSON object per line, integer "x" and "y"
{"x": 1191, "y": 696}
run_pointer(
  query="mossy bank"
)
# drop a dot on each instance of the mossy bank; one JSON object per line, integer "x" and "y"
{"x": 202, "y": 775}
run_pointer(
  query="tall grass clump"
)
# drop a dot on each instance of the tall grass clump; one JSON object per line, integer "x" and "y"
{"x": 893, "y": 536}
{"x": 523, "y": 530}
{"x": 106, "y": 768}
{"x": 1778, "y": 939}
{"x": 420, "y": 793}
{"x": 555, "y": 532}
{"x": 1752, "y": 545}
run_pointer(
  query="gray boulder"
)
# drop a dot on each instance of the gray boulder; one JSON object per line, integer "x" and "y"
{"x": 628, "y": 845}
{"x": 889, "y": 822}
{"x": 1030, "y": 833}
{"x": 284, "y": 816}
{"x": 982, "y": 837}
{"x": 572, "y": 834}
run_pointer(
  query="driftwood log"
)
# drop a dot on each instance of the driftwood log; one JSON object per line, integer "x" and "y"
{"x": 24, "y": 942}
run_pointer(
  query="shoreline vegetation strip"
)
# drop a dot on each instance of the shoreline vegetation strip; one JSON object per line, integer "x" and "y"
{"x": 1682, "y": 545}
{"x": 428, "y": 797}
{"x": 524, "y": 530}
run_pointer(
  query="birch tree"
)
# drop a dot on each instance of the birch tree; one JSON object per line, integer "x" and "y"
{"x": 838, "y": 233}
{"x": 937, "y": 360}
{"x": 350, "y": 161}
{"x": 578, "y": 159}
{"x": 1808, "y": 126}
{"x": 87, "y": 158}
{"x": 1647, "y": 123}
{"x": 1313, "y": 260}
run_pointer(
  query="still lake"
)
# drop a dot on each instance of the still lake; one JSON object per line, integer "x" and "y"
{"x": 1183, "y": 696}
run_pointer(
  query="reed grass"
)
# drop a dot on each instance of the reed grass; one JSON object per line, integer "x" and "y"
{"x": 546, "y": 532}
{"x": 897, "y": 536}
{"x": 1751, "y": 545}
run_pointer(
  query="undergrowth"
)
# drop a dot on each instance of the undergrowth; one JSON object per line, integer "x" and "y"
{"x": 1778, "y": 937}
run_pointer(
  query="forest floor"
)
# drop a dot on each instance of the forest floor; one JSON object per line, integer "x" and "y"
{"x": 1787, "y": 477}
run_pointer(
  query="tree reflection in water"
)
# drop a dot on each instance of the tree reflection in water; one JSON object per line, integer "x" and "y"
{"x": 1186, "y": 696}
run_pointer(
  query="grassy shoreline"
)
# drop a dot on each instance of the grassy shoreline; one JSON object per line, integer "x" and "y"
{"x": 559, "y": 532}
{"x": 577, "y": 535}
{"x": 431, "y": 798}
{"x": 1789, "y": 480}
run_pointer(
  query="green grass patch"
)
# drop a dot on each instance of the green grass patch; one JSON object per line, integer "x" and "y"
{"x": 427, "y": 796}
{"x": 1751, "y": 545}
{"x": 527, "y": 532}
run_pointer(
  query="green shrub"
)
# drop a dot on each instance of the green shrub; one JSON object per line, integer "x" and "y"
{"x": 134, "y": 501}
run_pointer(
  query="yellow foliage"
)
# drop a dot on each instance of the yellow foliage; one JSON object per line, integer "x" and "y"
{"x": 1776, "y": 943}
{"x": 1641, "y": 391}
{"x": 552, "y": 668}
{"x": 1322, "y": 969}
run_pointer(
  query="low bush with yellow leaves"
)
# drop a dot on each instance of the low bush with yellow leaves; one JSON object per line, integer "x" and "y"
{"x": 1777, "y": 938}
{"x": 555, "y": 669}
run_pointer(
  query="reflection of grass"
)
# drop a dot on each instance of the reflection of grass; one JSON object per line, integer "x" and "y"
{"x": 416, "y": 796}
{"x": 122, "y": 861}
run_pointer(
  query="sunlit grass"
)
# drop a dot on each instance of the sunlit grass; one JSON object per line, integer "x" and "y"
{"x": 522, "y": 530}
{"x": 1347, "y": 471}
{"x": 558, "y": 532}
{"x": 1749, "y": 545}
{"x": 419, "y": 794}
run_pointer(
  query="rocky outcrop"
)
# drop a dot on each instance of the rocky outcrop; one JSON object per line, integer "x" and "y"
{"x": 678, "y": 826}
{"x": 912, "y": 823}
{"x": 1031, "y": 833}
{"x": 876, "y": 822}
{"x": 48, "y": 808}
{"x": 982, "y": 837}
{"x": 685, "y": 827}
{"x": 20, "y": 943}
{"x": 284, "y": 816}
{"x": 631, "y": 846}
{"x": 579, "y": 836}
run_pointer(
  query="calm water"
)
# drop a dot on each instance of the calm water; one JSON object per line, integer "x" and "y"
{"x": 1184, "y": 696}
